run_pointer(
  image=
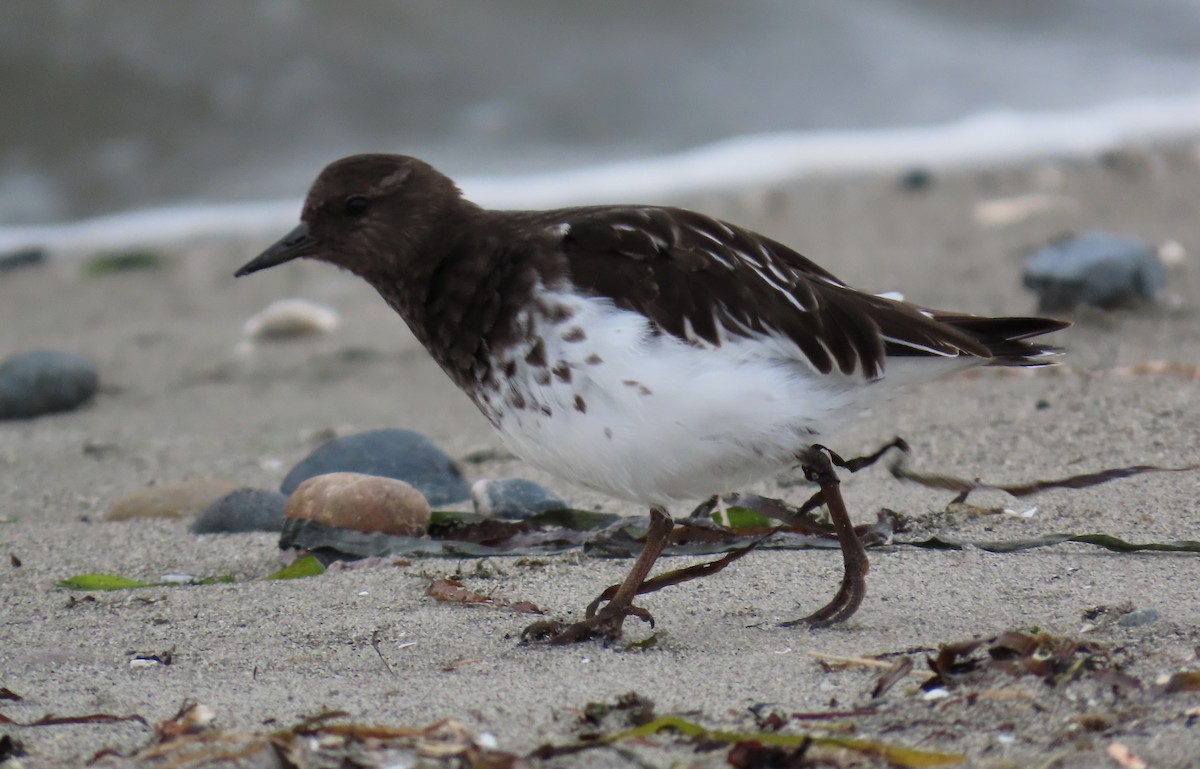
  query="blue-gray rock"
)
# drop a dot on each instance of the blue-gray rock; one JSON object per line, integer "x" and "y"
{"x": 402, "y": 454}
{"x": 1138, "y": 617}
{"x": 242, "y": 510}
{"x": 44, "y": 382}
{"x": 513, "y": 498}
{"x": 1102, "y": 269}
{"x": 916, "y": 180}
{"x": 23, "y": 257}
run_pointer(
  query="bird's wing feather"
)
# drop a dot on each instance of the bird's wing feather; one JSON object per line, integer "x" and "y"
{"x": 704, "y": 280}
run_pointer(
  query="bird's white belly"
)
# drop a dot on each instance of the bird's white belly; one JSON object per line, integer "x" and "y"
{"x": 656, "y": 420}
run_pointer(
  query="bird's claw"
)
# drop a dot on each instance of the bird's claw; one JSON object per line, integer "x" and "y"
{"x": 603, "y": 625}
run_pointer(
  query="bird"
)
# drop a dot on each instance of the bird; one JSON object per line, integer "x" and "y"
{"x": 651, "y": 353}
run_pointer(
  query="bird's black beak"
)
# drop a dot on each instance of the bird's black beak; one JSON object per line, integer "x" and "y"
{"x": 297, "y": 243}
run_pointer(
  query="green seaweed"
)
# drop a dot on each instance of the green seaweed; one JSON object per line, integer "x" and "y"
{"x": 122, "y": 261}
{"x": 306, "y": 566}
{"x": 100, "y": 581}
{"x": 742, "y": 518}
{"x": 899, "y": 755}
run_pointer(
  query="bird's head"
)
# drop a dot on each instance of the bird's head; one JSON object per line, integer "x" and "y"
{"x": 370, "y": 214}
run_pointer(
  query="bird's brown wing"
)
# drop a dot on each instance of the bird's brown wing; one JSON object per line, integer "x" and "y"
{"x": 704, "y": 280}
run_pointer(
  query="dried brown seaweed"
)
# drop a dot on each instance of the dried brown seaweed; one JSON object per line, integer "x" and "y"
{"x": 901, "y": 471}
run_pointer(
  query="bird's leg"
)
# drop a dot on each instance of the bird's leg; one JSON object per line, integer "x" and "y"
{"x": 799, "y": 519}
{"x": 704, "y": 510}
{"x": 819, "y": 469}
{"x": 606, "y": 622}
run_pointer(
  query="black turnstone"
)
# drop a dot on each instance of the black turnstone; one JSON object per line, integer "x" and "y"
{"x": 650, "y": 353}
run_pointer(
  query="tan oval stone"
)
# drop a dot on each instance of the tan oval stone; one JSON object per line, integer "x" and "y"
{"x": 360, "y": 502}
{"x": 169, "y": 500}
{"x": 288, "y": 318}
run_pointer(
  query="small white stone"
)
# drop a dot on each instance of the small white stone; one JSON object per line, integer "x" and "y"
{"x": 287, "y": 318}
{"x": 1172, "y": 253}
{"x": 1001, "y": 211}
{"x": 406, "y": 761}
{"x": 201, "y": 715}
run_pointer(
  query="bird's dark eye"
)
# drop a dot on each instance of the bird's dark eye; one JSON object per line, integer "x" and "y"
{"x": 356, "y": 205}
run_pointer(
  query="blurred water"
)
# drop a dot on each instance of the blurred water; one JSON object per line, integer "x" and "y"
{"x": 115, "y": 104}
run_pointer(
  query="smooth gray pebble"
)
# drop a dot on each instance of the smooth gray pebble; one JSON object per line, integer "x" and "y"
{"x": 513, "y": 498}
{"x": 39, "y": 382}
{"x": 405, "y": 455}
{"x": 1097, "y": 268}
{"x": 242, "y": 510}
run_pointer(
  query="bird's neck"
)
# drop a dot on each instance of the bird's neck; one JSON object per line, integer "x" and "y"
{"x": 462, "y": 299}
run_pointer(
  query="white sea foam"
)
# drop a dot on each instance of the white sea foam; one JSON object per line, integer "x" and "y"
{"x": 745, "y": 161}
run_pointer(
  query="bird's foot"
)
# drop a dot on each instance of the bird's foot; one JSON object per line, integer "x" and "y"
{"x": 617, "y": 600}
{"x": 819, "y": 467}
{"x": 845, "y": 602}
{"x": 603, "y": 625}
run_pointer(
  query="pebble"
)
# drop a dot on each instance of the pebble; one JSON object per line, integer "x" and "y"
{"x": 242, "y": 510}
{"x": 1172, "y": 253}
{"x": 1138, "y": 617}
{"x": 513, "y": 498}
{"x": 361, "y": 502}
{"x": 405, "y": 455}
{"x": 1095, "y": 268}
{"x": 40, "y": 382}
{"x": 999, "y": 212}
{"x": 169, "y": 500}
{"x": 23, "y": 257}
{"x": 916, "y": 180}
{"x": 290, "y": 318}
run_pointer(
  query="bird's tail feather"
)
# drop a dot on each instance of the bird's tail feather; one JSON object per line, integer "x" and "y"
{"x": 1006, "y": 338}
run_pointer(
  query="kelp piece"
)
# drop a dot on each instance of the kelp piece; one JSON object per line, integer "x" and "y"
{"x": 1054, "y": 659}
{"x": 1106, "y": 541}
{"x": 454, "y": 591}
{"x": 304, "y": 566}
{"x": 899, "y": 755}
{"x": 100, "y": 581}
{"x": 901, "y": 471}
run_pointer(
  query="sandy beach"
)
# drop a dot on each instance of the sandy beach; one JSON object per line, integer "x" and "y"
{"x": 183, "y": 397}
